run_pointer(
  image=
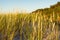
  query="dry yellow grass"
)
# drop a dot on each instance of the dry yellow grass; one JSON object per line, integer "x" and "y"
{"x": 35, "y": 26}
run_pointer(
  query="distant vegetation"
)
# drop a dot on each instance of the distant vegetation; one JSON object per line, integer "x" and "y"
{"x": 42, "y": 24}
{"x": 55, "y": 8}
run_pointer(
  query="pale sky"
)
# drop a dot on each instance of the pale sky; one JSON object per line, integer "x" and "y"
{"x": 25, "y": 5}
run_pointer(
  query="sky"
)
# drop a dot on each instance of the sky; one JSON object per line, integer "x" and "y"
{"x": 25, "y": 5}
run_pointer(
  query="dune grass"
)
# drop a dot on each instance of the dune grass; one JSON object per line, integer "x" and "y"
{"x": 33, "y": 26}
